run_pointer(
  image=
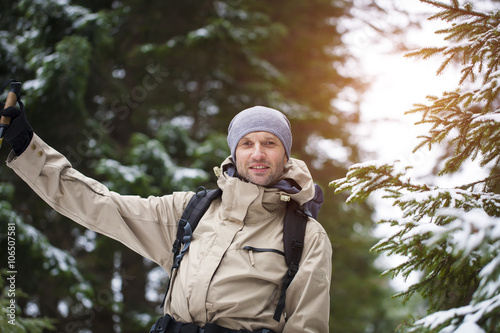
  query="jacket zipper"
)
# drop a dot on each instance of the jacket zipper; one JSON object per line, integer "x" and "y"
{"x": 252, "y": 249}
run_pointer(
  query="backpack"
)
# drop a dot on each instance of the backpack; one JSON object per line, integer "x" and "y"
{"x": 293, "y": 235}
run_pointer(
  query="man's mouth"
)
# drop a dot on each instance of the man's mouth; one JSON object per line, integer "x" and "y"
{"x": 259, "y": 168}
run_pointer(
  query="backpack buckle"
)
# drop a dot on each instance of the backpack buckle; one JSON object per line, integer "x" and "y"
{"x": 177, "y": 261}
{"x": 176, "y": 246}
{"x": 296, "y": 245}
{"x": 293, "y": 269}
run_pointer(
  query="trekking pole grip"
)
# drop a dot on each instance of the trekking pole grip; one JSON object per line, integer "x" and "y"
{"x": 15, "y": 90}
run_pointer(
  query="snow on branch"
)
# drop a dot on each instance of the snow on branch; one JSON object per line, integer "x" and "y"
{"x": 450, "y": 235}
{"x": 365, "y": 178}
{"x": 470, "y": 236}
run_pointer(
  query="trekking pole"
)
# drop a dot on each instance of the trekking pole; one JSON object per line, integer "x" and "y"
{"x": 12, "y": 97}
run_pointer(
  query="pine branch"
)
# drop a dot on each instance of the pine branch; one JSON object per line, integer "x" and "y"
{"x": 471, "y": 135}
{"x": 433, "y": 222}
{"x": 425, "y": 53}
{"x": 466, "y": 10}
{"x": 427, "y": 245}
{"x": 451, "y": 235}
{"x": 479, "y": 42}
{"x": 494, "y": 179}
{"x": 365, "y": 178}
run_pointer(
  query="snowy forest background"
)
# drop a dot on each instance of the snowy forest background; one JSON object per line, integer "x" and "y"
{"x": 139, "y": 95}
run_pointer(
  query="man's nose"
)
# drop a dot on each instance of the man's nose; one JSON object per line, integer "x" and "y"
{"x": 258, "y": 153}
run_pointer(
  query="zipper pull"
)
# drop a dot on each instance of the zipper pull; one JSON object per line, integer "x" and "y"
{"x": 252, "y": 258}
{"x": 250, "y": 254}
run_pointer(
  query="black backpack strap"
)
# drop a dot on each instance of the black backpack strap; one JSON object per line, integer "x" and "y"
{"x": 294, "y": 229}
{"x": 195, "y": 209}
{"x": 193, "y": 213}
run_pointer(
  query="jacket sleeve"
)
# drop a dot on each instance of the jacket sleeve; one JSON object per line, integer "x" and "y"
{"x": 145, "y": 225}
{"x": 308, "y": 296}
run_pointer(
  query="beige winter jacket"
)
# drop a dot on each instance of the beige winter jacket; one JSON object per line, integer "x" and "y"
{"x": 218, "y": 281}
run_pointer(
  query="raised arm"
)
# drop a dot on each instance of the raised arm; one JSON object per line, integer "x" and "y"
{"x": 146, "y": 225}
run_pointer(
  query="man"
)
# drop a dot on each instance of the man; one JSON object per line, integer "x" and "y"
{"x": 231, "y": 276}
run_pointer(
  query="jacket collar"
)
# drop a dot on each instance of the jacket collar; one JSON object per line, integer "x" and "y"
{"x": 296, "y": 182}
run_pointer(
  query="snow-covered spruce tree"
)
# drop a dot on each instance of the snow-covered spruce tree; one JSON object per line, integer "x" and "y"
{"x": 451, "y": 235}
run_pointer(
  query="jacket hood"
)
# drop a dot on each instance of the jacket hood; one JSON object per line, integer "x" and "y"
{"x": 296, "y": 182}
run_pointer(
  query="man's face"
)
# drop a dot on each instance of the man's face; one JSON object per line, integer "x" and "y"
{"x": 260, "y": 158}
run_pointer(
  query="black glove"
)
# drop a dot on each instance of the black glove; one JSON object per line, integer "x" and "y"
{"x": 19, "y": 132}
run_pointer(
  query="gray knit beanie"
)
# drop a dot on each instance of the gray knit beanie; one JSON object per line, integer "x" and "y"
{"x": 259, "y": 119}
